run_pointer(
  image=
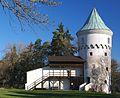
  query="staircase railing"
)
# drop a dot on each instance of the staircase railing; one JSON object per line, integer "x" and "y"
{"x": 81, "y": 87}
{"x": 36, "y": 82}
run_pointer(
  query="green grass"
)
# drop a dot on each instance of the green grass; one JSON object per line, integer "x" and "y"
{"x": 18, "y": 93}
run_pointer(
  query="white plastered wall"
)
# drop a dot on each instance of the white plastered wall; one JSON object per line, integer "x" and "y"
{"x": 98, "y": 58}
{"x": 38, "y": 73}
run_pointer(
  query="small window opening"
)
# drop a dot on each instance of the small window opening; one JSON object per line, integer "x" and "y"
{"x": 106, "y": 68}
{"x": 92, "y": 46}
{"x": 84, "y": 47}
{"x": 97, "y": 46}
{"x": 87, "y": 47}
{"x": 91, "y": 53}
{"x": 106, "y": 46}
{"x": 102, "y": 46}
{"x": 105, "y": 81}
{"x": 108, "y": 40}
{"x": 105, "y": 54}
{"x": 82, "y": 41}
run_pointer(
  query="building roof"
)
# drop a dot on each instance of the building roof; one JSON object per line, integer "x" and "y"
{"x": 94, "y": 21}
{"x": 65, "y": 59}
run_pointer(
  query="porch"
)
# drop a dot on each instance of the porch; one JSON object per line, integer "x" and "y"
{"x": 57, "y": 75}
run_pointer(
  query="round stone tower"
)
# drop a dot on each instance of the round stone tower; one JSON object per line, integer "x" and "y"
{"x": 95, "y": 44}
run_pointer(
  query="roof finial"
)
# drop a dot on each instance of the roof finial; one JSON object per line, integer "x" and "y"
{"x": 94, "y": 10}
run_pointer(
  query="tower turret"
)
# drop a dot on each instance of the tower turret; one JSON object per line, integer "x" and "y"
{"x": 95, "y": 44}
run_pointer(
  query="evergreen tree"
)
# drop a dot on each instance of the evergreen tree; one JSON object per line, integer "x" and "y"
{"x": 115, "y": 73}
{"x": 61, "y": 42}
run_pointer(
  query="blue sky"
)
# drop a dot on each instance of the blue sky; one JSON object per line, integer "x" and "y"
{"x": 72, "y": 13}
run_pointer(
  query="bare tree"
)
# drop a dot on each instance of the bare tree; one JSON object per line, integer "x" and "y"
{"x": 27, "y": 11}
{"x": 100, "y": 74}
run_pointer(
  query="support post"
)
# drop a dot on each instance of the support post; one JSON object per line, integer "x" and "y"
{"x": 59, "y": 84}
{"x": 49, "y": 84}
{"x": 42, "y": 84}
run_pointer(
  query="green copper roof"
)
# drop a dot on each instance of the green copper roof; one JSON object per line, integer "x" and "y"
{"x": 94, "y": 21}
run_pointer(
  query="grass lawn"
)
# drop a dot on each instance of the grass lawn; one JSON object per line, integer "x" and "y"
{"x": 18, "y": 93}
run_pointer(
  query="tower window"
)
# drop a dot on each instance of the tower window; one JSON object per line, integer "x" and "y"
{"x": 108, "y": 40}
{"x": 106, "y": 68}
{"x": 102, "y": 46}
{"x": 105, "y": 81}
{"x": 106, "y": 46}
{"x": 91, "y": 54}
{"x": 82, "y": 47}
{"x": 105, "y": 54}
{"x": 82, "y": 40}
{"x": 87, "y": 46}
{"x": 91, "y": 46}
{"x": 97, "y": 46}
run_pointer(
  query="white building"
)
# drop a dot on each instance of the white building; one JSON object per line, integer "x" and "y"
{"x": 62, "y": 73}
{"x": 95, "y": 44}
{"x": 70, "y": 72}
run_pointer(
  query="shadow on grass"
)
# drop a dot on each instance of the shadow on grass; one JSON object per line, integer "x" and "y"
{"x": 54, "y": 94}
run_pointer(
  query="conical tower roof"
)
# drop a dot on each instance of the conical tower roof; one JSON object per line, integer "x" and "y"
{"x": 94, "y": 22}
